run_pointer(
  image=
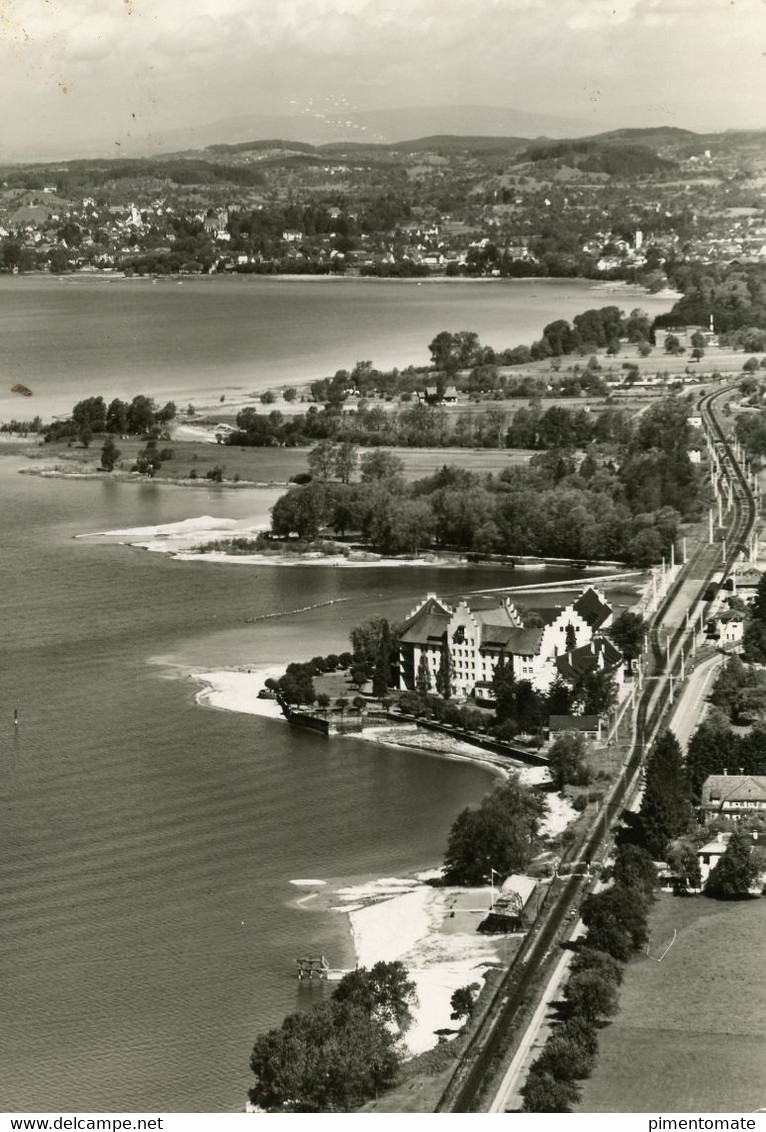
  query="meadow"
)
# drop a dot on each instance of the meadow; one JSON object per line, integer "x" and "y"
{"x": 689, "y": 1035}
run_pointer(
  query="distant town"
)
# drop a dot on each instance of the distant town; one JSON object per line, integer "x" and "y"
{"x": 634, "y": 205}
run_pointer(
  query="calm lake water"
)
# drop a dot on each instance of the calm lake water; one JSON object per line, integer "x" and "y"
{"x": 148, "y": 929}
{"x": 77, "y": 336}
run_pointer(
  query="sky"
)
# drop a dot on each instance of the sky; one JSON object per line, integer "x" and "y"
{"x": 76, "y": 73}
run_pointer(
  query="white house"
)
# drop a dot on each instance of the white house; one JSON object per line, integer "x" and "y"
{"x": 730, "y": 627}
{"x": 710, "y": 854}
{"x": 733, "y": 795}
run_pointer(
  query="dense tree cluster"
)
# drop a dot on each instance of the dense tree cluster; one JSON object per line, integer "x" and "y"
{"x": 297, "y": 684}
{"x": 138, "y": 417}
{"x": 627, "y": 509}
{"x": 500, "y": 834}
{"x": 616, "y": 919}
{"x": 740, "y": 692}
{"x": 592, "y": 156}
{"x": 734, "y": 294}
{"x": 592, "y": 330}
{"x": 420, "y": 424}
{"x": 334, "y": 1057}
{"x": 715, "y": 748}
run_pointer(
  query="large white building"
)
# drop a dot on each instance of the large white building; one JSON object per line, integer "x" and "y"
{"x": 476, "y": 632}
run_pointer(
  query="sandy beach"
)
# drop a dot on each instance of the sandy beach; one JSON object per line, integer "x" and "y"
{"x": 431, "y": 930}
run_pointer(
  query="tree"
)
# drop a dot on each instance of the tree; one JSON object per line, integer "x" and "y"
{"x": 117, "y": 417}
{"x": 140, "y": 414}
{"x": 627, "y": 632}
{"x": 110, "y": 454}
{"x": 500, "y": 834}
{"x": 329, "y": 1059}
{"x": 289, "y": 393}
{"x": 616, "y": 921}
{"x": 385, "y": 992}
{"x": 369, "y": 641}
{"x": 91, "y": 414}
{"x": 380, "y": 465}
{"x": 463, "y": 1000}
{"x": 684, "y": 864}
{"x": 321, "y": 460}
{"x": 381, "y": 674}
{"x": 666, "y": 811}
{"x": 595, "y": 692}
{"x": 543, "y": 1093}
{"x": 504, "y": 689}
{"x": 673, "y": 345}
{"x": 566, "y": 760}
{"x": 605, "y": 965}
{"x": 589, "y": 995}
{"x": 634, "y": 868}
{"x": 737, "y": 871}
{"x": 446, "y": 672}
{"x": 709, "y": 746}
{"x": 148, "y": 461}
{"x": 565, "y": 1057}
{"x": 344, "y": 461}
{"x": 423, "y": 676}
{"x": 301, "y": 510}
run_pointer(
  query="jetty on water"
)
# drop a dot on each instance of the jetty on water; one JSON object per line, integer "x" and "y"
{"x": 317, "y": 967}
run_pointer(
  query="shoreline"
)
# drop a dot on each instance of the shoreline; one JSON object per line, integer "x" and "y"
{"x": 180, "y": 539}
{"x": 80, "y": 277}
{"x": 431, "y": 930}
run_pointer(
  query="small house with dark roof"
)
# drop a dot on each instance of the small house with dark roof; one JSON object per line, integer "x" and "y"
{"x": 589, "y": 725}
{"x": 733, "y": 795}
{"x": 598, "y": 654}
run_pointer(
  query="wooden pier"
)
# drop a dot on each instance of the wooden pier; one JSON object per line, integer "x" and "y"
{"x": 317, "y": 967}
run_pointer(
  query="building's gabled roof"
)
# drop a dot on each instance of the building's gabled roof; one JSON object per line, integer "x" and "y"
{"x": 549, "y": 614}
{"x": 716, "y": 846}
{"x": 723, "y": 789}
{"x": 599, "y": 653}
{"x": 515, "y": 642}
{"x": 573, "y": 723}
{"x": 731, "y": 615}
{"x": 593, "y": 608}
{"x": 428, "y": 624}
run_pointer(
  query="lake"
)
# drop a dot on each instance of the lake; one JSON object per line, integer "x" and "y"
{"x": 192, "y": 340}
{"x": 148, "y": 927}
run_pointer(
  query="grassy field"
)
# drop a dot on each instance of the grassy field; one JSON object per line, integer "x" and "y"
{"x": 690, "y": 1033}
{"x": 276, "y": 465}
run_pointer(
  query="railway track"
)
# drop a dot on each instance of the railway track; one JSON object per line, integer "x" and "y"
{"x": 494, "y": 1041}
